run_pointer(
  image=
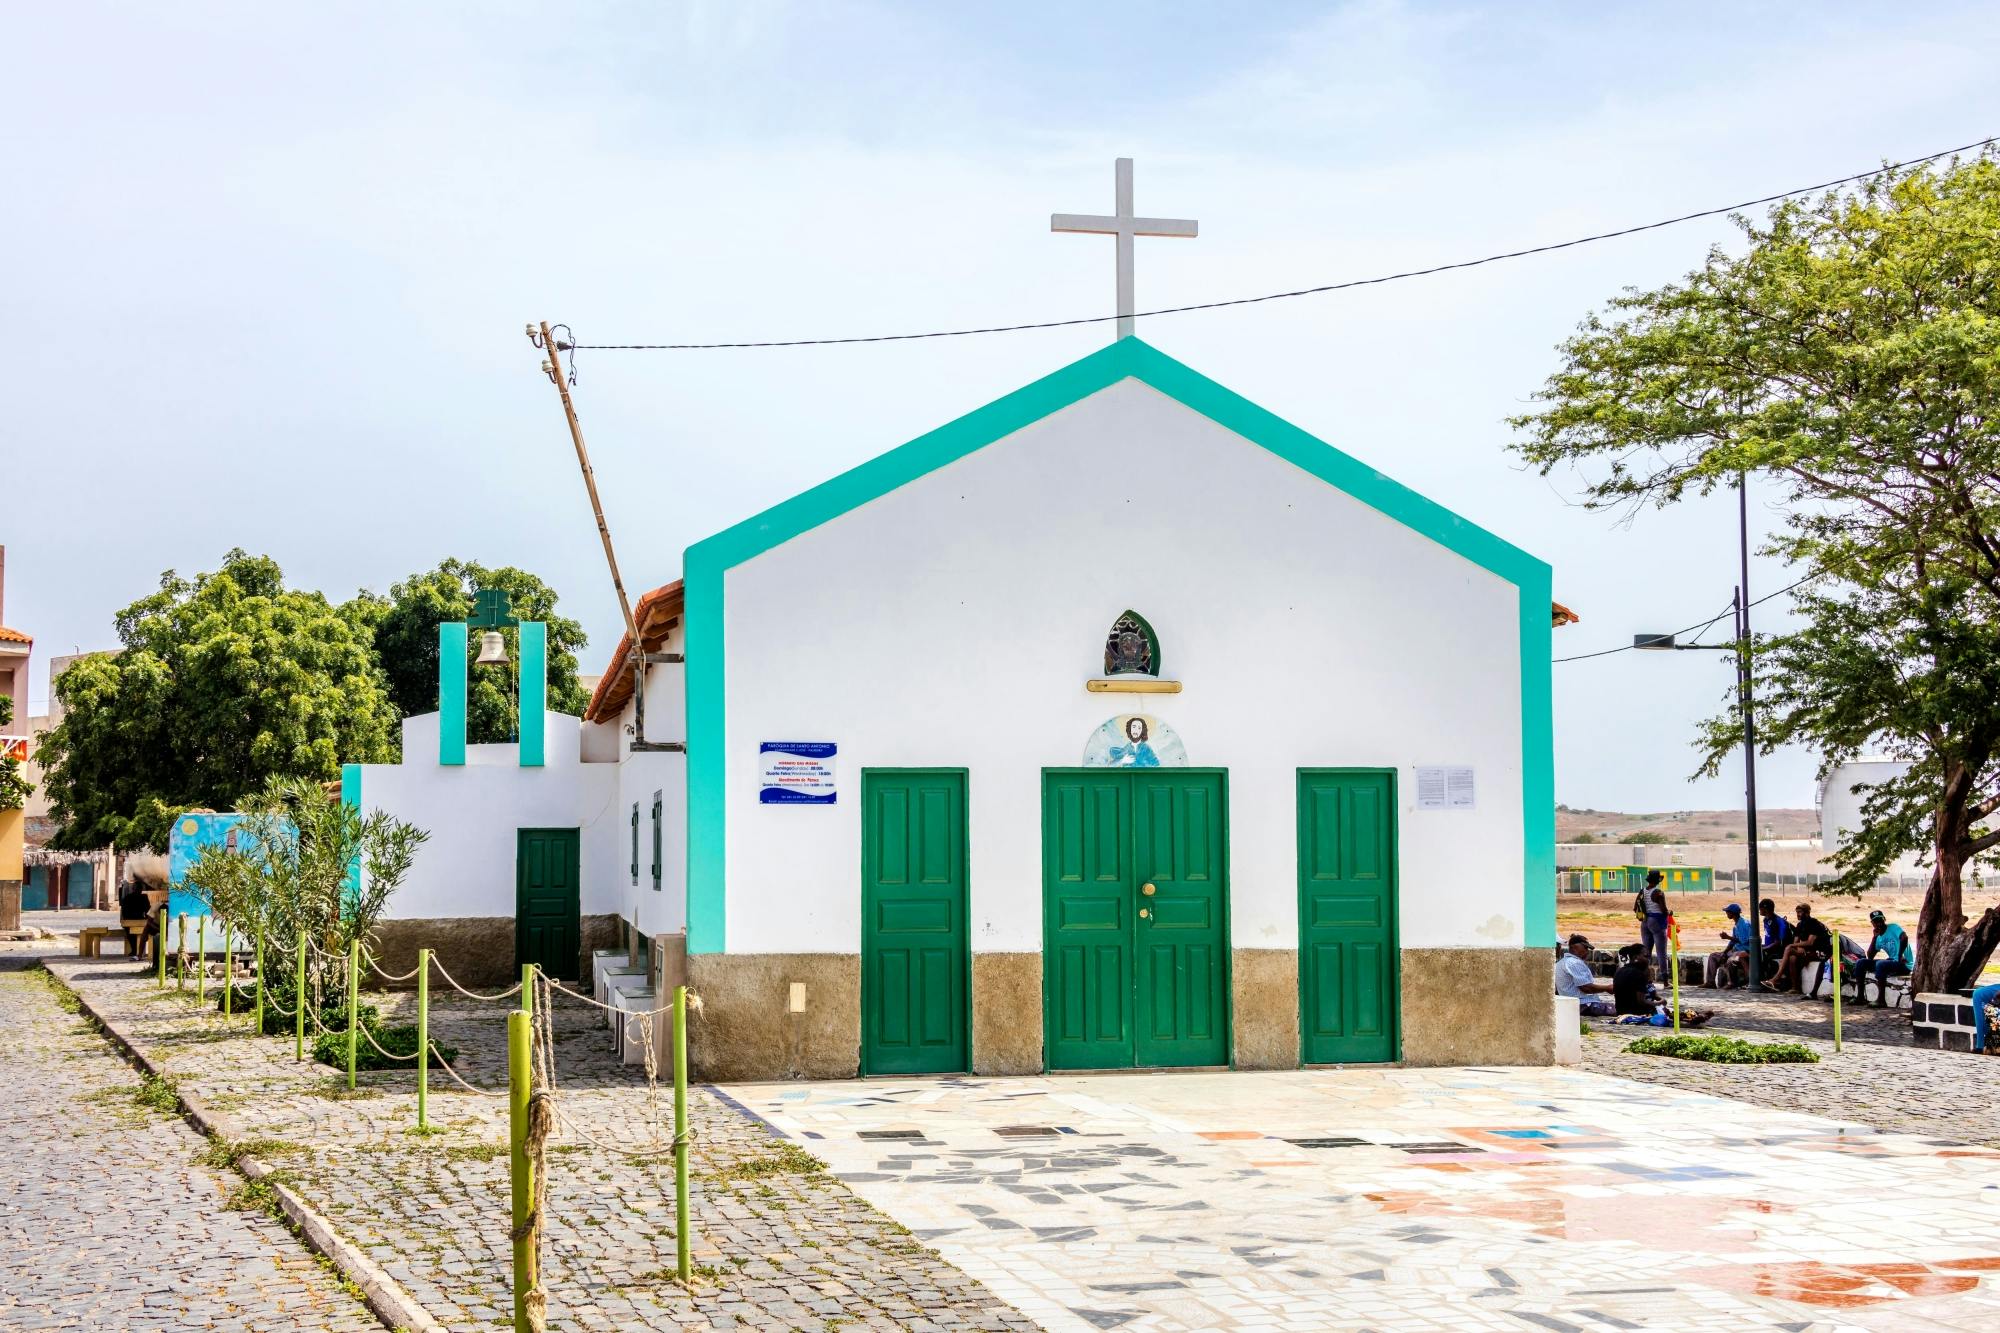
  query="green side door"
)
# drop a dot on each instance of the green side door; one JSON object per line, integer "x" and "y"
{"x": 1348, "y": 959}
{"x": 1135, "y": 912}
{"x": 914, "y": 1014}
{"x": 548, "y": 906}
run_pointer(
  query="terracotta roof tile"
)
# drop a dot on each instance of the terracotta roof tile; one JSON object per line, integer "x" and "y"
{"x": 14, "y": 635}
{"x": 656, "y": 613}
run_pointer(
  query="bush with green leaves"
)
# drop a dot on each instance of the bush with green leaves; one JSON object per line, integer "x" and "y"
{"x": 1725, "y": 1050}
{"x": 400, "y": 1041}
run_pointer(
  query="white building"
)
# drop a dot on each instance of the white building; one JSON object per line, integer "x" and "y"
{"x": 1116, "y": 723}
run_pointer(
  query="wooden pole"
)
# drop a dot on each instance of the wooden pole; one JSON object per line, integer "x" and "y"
{"x": 299, "y": 999}
{"x": 353, "y": 1007}
{"x": 423, "y": 1038}
{"x": 554, "y": 367}
{"x": 522, "y": 1171}
{"x": 682, "y": 1249}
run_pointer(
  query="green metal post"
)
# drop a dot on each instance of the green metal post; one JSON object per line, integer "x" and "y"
{"x": 1676, "y": 955}
{"x": 180, "y": 952}
{"x": 201, "y": 961}
{"x": 299, "y": 998}
{"x": 522, "y": 1171}
{"x": 260, "y": 978}
{"x": 528, "y": 989}
{"x": 423, "y": 1038}
{"x": 228, "y": 974}
{"x": 1835, "y": 964}
{"x": 353, "y": 1006}
{"x": 681, "y": 1247}
{"x": 160, "y": 947}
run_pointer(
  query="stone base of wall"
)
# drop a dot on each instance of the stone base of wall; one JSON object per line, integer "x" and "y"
{"x": 745, "y": 1032}
{"x": 1006, "y": 1013}
{"x": 478, "y": 951}
{"x": 1264, "y": 1001}
{"x": 1942, "y": 1022}
{"x": 1478, "y": 1007}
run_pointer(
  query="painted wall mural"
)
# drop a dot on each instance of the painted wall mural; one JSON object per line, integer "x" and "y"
{"x": 1134, "y": 740}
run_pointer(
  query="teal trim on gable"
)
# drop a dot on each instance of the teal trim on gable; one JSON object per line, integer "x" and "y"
{"x": 451, "y": 692}
{"x": 707, "y": 562}
{"x": 534, "y": 647}
{"x": 350, "y": 796}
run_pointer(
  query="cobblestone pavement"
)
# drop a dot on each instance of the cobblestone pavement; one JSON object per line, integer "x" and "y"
{"x": 1408, "y": 1199}
{"x": 1877, "y": 1079}
{"x": 105, "y": 1222}
{"x": 778, "y": 1242}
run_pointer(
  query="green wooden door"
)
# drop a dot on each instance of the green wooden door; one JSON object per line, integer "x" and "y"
{"x": 548, "y": 924}
{"x": 913, "y": 922}
{"x": 1131, "y": 977}
{"x": 1348, "y": 960}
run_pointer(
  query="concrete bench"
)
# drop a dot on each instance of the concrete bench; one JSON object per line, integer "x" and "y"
{"x": 90, "y": 940}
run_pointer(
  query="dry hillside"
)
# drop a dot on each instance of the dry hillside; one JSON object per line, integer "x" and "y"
{"x": 1683, "y": 825}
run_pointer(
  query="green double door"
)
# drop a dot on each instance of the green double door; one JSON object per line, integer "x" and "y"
{"x": 1348, "y": 959}
{"x": 548, "y": 919}
{"x": 1135, "y": 903}
{"x": 914, "y": 987}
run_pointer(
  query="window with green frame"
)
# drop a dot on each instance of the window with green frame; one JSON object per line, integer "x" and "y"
{"x": 1131, "y": 648}
{"x": 659, "y": 804}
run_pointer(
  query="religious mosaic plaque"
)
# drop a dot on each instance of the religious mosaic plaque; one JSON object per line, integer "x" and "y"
{"x": 1134, "y": 740}
{"x": 1131, "y": 647}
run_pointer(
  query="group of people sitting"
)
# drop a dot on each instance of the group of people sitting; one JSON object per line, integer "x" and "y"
{"x": 1790, "y": 954}
{"x": 1790, "y": 951}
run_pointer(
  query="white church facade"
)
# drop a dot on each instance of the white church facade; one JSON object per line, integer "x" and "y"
{"x": 1222, "y": 750}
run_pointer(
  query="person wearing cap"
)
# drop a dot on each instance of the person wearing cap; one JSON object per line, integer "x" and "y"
{"x": 1736, "y": 949}
{"x": 1575, "y": 979}
{"x": 1897, "y": 960}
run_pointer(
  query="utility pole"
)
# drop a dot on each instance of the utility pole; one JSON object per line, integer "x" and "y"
{"x": 1746, "y": 692}
{"x": 545, "y": 341}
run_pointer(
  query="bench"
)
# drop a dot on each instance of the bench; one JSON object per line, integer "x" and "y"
{"x": 90, "y": 940}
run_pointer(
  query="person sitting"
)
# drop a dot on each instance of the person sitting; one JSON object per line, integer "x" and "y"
{"x": 1898, "y": 959}
{"x": 1575, "y": 979}
{"x": 1981, "y": 997}
{"x": 1735, "y": 952}
{"x": 1811, "y": 942}
{"x": 1632, "y": 983}
{"x": 135, "y": 914}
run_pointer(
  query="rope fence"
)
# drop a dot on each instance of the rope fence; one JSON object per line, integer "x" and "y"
{"x": 540, "y": 1107}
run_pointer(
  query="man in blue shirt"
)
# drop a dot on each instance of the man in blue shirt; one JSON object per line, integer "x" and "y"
{"x": 1981, "y": 997}
{"x": 1734, "y": 953}
{"x": 1896, "y": 961}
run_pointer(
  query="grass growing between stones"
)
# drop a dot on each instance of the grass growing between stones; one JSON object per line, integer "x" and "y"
{"x": 1725, "y": 1050}
{"x": 225, "y": 1153}
{"x": 786, "y": 1159}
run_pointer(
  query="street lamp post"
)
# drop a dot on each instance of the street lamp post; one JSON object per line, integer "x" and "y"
{"x": 1665, "y": 643}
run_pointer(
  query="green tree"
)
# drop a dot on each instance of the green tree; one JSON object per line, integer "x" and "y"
{"x": 14, "y": 791}
{"x": 226, "y": 681}
{"x": 1849, "y": 350}
{"x": 406, "y": 644}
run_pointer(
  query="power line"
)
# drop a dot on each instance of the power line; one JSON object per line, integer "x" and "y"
{"x": 1302, "y": 291}
{"x": 1700, "y": 628}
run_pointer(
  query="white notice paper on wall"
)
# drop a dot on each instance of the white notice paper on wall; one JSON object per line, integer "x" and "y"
{"x": 1444, "y": 789}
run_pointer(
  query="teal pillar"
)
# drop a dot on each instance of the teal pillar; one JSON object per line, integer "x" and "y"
{"x": 451, "y": 693}
{"x": 350, "y": 796}
{"x": 534, "y": 647}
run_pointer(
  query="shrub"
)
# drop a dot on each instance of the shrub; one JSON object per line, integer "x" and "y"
{"x": 1725, "y": 1050}
{"x": 330, "y": 1048}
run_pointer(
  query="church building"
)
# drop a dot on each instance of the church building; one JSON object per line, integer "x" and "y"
{"x": 1223, "y": 750}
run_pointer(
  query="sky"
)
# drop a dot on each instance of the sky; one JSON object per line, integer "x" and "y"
{"x": 270, "y": 266}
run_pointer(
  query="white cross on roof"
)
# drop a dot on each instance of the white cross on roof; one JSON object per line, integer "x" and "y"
{"x": 1124, "y": 226}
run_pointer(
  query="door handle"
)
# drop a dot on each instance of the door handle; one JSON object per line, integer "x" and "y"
{"x": 1148, "y": 890}
{"x": 1145, "y": 911}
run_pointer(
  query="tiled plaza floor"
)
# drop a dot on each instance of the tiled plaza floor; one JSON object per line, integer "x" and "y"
{"x": 1412, "y": 1199}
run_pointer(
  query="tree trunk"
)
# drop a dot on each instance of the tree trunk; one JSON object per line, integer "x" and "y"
{"x": 1949, "y": 957}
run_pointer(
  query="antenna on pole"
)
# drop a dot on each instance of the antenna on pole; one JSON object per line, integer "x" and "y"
{"x": 546, "y": 341}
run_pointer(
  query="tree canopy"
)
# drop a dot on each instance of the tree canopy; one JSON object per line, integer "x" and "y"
{"x": 14, "y": 790}
{"x": 406, "y": 644}
{"x": 225, "y": 681}
{"x": 1848, "y": 348}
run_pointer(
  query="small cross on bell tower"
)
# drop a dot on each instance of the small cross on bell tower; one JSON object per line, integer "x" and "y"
{"x": 1125, "y": 227}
